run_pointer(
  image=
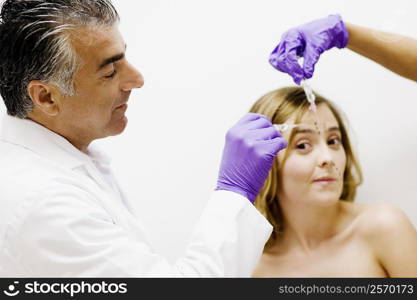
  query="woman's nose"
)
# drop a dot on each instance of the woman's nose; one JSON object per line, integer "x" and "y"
{"x": 325, "y": 157}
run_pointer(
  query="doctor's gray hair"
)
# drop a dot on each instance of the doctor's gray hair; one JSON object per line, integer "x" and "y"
{"x": 35, "y": 45}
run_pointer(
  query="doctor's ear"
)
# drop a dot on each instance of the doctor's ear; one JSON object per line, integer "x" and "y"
{"x": 45, "y": 97}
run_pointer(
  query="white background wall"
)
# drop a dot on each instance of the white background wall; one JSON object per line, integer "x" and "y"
{"x": 205, "y": 63}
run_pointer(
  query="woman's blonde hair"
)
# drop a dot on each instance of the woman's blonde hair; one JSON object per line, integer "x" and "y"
{"x": 279, "y": 105}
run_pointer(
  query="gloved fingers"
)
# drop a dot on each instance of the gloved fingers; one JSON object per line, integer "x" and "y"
{"x": 311, "y": 57}
{"x": 262, "y": 122}
{"x": 263, "y": 134}
{"x": 296, "y": 71}
{"x": 278, "y": 57}
{"x": 273, "y": 57}
{"x": 247, "y": 123}
{"x": 288, "y": 55}
{"x": 273, "y": 146}
{"x": 249, "y": 117}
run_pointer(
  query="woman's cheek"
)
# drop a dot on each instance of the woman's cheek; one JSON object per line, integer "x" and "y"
{"x": 298, "y": 168}
{"x": 341, "y": 163}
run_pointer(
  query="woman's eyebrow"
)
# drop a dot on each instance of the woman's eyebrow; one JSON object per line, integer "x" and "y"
{"x": 334, "y": 128}
{"x": 312, "y": 131}
{"x": 308, "y": 131}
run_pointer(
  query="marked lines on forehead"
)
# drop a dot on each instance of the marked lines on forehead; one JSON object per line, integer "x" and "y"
{"x": 307, "y": 130}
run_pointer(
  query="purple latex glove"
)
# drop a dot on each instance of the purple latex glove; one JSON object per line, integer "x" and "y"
{"x": 308, "y": 41}
{"x": 250, "y": 148}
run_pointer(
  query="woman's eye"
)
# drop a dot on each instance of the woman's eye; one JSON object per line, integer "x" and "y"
{"x": 334, "y": 141}
{"x": 303, "y": 146}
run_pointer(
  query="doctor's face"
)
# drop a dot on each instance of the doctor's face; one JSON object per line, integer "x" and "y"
{"x": 102, "y": 85}
{"x": 313, "y": 170}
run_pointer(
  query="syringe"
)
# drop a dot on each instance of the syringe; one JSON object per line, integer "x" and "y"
{"x": 310, "y": 95}
{"x": 284, "y": 127}
{"x": 311, "y": 98}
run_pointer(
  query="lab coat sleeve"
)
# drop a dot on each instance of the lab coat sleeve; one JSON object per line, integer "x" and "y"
{"x": 228, "y": 240}
{"x": 64, "y": 232}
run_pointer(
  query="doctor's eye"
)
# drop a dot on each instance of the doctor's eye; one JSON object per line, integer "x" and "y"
{"x": 111, "y": 75}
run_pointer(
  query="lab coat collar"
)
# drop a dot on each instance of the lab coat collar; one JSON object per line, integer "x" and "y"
{"x": 98, "y": 156}
{"x": 45, "y": 142}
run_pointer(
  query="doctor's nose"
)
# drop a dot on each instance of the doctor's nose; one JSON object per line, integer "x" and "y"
{"x": 133, "y": 80}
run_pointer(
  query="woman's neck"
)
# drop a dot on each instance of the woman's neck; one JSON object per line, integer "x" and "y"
{"x": 308, "y": 226}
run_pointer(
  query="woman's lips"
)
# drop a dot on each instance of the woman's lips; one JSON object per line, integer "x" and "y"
{"x": 325, "y": 180}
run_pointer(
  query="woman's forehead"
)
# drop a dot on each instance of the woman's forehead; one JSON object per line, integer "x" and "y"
{"x": 323, "y": 115}
{"x": 321, "y": 121}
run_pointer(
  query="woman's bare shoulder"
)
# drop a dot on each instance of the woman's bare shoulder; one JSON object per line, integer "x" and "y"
{"x": 376, "y": 220}
{"x": 391, "y": 236}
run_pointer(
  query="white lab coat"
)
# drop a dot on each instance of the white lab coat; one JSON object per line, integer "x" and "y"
{"x": 63, "y": 214}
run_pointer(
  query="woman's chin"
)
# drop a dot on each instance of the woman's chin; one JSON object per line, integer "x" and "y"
{"x": 327, "y": 199}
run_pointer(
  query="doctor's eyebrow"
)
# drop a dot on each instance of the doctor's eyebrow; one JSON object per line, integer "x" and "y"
{"x": 111, "y": 60}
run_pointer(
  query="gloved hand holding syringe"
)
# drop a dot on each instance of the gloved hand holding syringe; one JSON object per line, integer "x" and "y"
{"x": 308, "y": 42}
{"x": 300, "y": 48}
{"x": 310, "y": 98}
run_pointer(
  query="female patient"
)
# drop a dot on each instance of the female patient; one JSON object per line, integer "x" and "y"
{"x": 308, "y": 198}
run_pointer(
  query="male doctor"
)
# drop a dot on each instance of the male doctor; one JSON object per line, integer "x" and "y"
{"x": 65, "y": 81}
